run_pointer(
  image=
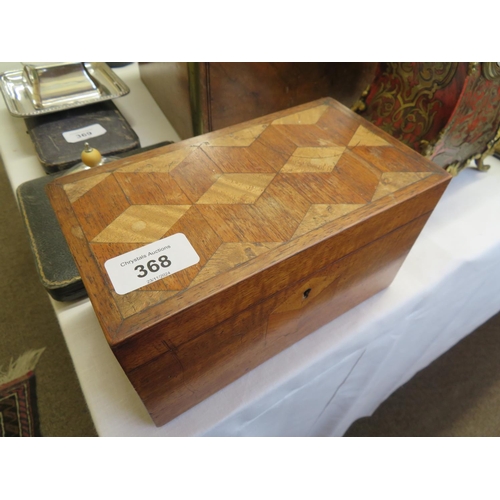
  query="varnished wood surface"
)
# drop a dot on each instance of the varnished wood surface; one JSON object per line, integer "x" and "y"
{"x": 265, "y": 204}
{"x": 189, "y": 372}
{"x": 230, "y": 93}
{"x": 168, "y": 83}
{"x": 242, "y": 91}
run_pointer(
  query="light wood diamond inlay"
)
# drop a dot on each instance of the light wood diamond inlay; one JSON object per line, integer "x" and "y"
{"x": 319, "y": 215}
{"x": 142, "y": 224}
{"x": 236, "y": 189}
{"x": 363, "y": 137}
{"x": 239, "y": 138}
{"x": 322, "y": 159}
{"x": 391, "y": 182}
{"x": 230, "y": 255}
{"x": 307, "y": 117}
{"x": 78, "y": 189}
{"x": 135, "y": 302}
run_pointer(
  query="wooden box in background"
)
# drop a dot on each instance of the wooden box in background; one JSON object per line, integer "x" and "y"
{"x": 292, "y": 219}
{"x": 203, "y": 97}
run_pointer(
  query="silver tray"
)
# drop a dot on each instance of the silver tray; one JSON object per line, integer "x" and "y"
{"x": 37, "y": 90}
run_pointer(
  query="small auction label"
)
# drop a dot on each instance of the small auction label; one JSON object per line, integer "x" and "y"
{"x": 152, "y": 262}
{"x": 84, "y": 134}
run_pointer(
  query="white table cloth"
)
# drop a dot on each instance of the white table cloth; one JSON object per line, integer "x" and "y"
{"x": 447, "y": 287}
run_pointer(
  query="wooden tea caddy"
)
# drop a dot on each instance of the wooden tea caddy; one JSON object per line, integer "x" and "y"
{"x": 295, "y": 217}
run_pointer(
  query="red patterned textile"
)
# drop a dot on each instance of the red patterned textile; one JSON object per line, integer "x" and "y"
{"x": 18, "y": 408}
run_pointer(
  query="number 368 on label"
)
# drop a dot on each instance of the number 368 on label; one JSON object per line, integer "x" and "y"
{"x": 153, "y": 266}
{"x": 149, "y": 263}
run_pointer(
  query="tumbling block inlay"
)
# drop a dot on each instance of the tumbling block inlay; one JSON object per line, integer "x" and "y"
{"x": 307, "y": 117}
{"x": 151, "y": 188}
{"x": 391, "y": 182}
{"x": 243, "y": 193}
{"x": 230, "y": 255}
{"x": 321, "y": 159}
{"x": 78, "y": 189}
{"x": 239, "y": 138}
{"x": 135, "y": 302}
{"x": 142, "y": 224}
{"x": 364, "y": 137}
{"x": 236, "y": 189}
{"x": 318, "y": 215}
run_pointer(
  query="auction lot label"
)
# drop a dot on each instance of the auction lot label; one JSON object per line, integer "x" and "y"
{"x": 152, "y": 262}
{"x": 85, "y": 133}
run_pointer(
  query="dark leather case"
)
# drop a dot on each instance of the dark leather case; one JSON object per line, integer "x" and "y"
{"x": 55, "y": 265}
{"x": 53, "y": 150}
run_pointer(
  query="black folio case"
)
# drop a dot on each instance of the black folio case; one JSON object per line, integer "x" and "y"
{"x": 55, "y": 265}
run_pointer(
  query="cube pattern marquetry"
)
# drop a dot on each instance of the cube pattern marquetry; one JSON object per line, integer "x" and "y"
{"x": 241, "y": 194}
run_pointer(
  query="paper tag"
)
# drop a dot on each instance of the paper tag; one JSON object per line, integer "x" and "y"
{"x": 152, "y": 262}
{"x": 85, "y": 133}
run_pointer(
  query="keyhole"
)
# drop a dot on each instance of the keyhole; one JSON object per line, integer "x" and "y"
{"x": 306, "y": 293}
